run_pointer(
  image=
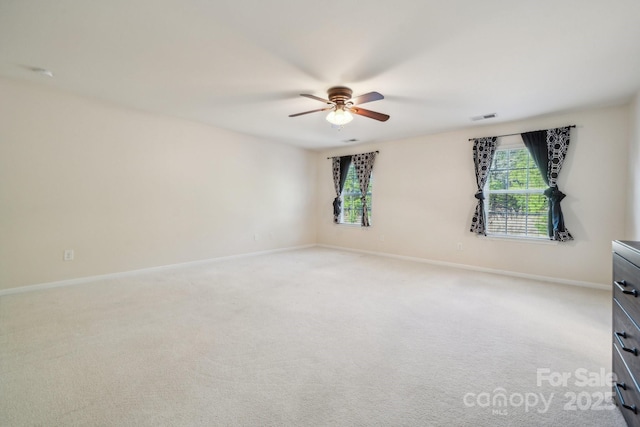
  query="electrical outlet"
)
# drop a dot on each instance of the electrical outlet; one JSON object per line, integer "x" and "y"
{"x": 68, "y": 255}
{"x": 459, "y": 246}
{"x": 256, "y": 237}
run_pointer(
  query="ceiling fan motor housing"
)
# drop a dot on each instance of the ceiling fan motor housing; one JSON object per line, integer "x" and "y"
{"x": 339, "y": 94}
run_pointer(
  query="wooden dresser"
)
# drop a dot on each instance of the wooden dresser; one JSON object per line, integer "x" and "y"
{"x": 626, "y": 329}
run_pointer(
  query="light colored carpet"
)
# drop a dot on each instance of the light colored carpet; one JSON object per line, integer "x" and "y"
{"x": 313, "y": 337}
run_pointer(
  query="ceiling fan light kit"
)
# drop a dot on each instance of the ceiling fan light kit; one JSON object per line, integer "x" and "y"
{"x": 343, "y": 106}
{"x": 339, "y": 117}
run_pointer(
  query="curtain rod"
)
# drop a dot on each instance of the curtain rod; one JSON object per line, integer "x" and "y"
{"x": 329, "y": 158}
{"x": 512, "y": 134}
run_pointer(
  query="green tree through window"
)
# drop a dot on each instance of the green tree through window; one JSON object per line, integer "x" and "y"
{"x": 514, "y": 200}
{"x": 351, "y": 198}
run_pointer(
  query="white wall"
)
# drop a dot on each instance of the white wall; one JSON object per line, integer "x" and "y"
{"x": 129, "y": 190}
{"x": 423, "y": 199}
{"x": 633, "y": 206}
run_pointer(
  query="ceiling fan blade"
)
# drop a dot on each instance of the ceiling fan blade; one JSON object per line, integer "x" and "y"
{"x": 369, "y": 113}
{"x": 326, "y": 101}
{"x": 312, "y": 111}
{"x": 367, "y": 97}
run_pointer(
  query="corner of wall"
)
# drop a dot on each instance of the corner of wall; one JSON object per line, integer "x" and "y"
{"x": 632, "y": 226}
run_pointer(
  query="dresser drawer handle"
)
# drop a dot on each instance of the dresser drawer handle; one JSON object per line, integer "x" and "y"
{"x": 622, "y": 284}
{"x": 623, "y": 386}
{"x": 619, "y": 336}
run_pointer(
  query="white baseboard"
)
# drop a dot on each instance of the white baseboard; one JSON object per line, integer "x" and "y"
{"x": 591, "y": 285}
{"x": 89, "y": 279}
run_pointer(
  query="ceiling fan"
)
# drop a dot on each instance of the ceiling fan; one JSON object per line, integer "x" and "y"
{"x": 342, "y": 105}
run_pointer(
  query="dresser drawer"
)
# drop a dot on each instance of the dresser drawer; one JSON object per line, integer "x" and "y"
{"x": 625, "y": 390}
{"x": 626, "y": 285}
{"x": 626, "y": 335}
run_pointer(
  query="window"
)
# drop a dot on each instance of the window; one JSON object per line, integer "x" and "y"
{"x": 514, "y": 201}
{"x": 351, "y": 198}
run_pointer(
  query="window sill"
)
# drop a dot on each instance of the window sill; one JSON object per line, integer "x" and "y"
{"x": 342, "y": 224}
{"x": 535, "y": 241}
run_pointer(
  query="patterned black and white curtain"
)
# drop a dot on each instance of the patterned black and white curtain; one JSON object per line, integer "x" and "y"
{"x": 548, "y": 149}
{"x": 340, "y": 169}
{"x": 363, "y": 164}
{"x": 483, "y": 152}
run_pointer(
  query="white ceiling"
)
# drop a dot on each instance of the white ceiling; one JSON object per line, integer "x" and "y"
{"x": 241, "y": 65}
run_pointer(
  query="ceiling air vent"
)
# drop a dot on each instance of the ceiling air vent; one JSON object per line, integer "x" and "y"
{"x": 485, "y": 117}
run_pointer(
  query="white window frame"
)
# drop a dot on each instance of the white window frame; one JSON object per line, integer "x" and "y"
{"x": 370, "y": 205}
{"x": 504, "y": 144}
